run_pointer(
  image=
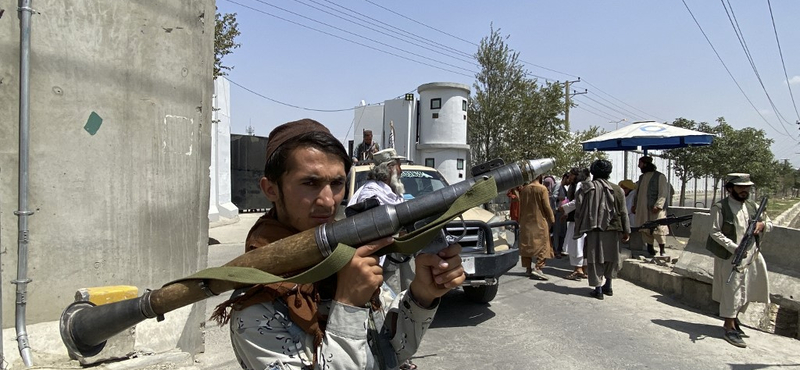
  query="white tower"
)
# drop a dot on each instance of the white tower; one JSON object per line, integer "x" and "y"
{"x": 443, "y": 129}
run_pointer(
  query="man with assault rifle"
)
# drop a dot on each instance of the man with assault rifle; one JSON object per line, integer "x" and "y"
{"x": 740, "y": 273}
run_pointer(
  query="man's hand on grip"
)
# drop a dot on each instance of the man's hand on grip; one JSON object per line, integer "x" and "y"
{"x": 436, "y": 274}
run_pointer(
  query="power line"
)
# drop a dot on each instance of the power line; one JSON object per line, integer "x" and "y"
{"x": 290, "y": 105}
{"x": 740, "y": 35}
{"x": 594, "y": 110}
{"x": 627, "y": 112}
{"x": 780, "y": 51}
{"x": 466, "y": 41}
{"x": 367, "y": 38}
{"x": 428, "y": 41}
{"x": 617, "y": 99}
{"x": 382, "y": 32}
{"x": 727, "y": 69}
{"x": 354, "y": 42}
{"x": 420, "y": 23}
{"x": 604, "y": 105}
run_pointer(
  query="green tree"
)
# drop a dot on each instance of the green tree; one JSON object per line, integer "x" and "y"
{"x": 512, "y": 116}
{"x": 499, "y": 90}
{"x": 745, "y": 150}
{"x": 688, "y": 162}
{"x": 571, "y": 153}
{"x": 538, "y": 131}
{"x": 225, "y": 33}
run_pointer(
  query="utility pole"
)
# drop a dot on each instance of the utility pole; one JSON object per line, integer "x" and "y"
{"x": 567, "y": 95}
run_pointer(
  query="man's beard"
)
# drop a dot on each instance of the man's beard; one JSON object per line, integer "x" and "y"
{"x": 739, "y": 198}
{"x": 396, "y": 185}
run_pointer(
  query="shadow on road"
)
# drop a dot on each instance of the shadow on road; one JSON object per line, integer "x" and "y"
{"x": 760, "y": 366}
{"x": 456, "y": 311}
{"x": 695, "y": 331}
{"x": 561, "y": 289}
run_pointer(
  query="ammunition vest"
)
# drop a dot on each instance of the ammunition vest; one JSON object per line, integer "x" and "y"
{"x": 652, "y": 189}
{"x": 729, "y": 228}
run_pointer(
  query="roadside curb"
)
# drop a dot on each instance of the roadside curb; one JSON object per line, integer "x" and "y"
{"x": 787, "y": 216}
{"x": 697, "y": 294}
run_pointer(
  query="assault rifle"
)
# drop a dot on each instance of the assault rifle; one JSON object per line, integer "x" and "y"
{"x": 669, "y": 220}
{"x": 86, "y": 327}
{"x": 748, "y": 240}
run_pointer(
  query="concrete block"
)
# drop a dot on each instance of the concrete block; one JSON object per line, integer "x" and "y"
{"x": 156, "y": 337}
{"x": 759, "y": 315}
{"x": 651, "y": 276}
{"x": 698, "y": 294}
{"x": 671, "y": 284}
{"x": 119, "y": 346}
{"x": 631, "y": 270}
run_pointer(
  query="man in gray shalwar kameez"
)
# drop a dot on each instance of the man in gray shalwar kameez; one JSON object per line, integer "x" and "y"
{"x": 601, "y": 214}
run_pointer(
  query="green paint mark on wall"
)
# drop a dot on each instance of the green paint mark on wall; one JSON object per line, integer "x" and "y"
{"x": 93, "y": 123}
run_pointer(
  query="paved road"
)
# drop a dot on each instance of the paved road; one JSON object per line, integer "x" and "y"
{"x": 556, "y": 325}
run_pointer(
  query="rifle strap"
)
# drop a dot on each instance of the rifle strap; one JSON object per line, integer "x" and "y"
{"x": 480, "y": 193}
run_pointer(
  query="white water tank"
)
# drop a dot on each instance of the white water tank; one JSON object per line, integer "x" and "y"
{"x": 443, "y": 129}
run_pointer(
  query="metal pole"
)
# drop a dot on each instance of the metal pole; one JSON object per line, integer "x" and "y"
{"x": 22, "y": 213}
{"x": 625, "y": 161}
{"x": 2, "y": 350}
{"x": 566, "y": 105}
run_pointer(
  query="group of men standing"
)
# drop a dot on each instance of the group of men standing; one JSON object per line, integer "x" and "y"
{"x": 349, "y": 320}
{"x": 600, "y": 216}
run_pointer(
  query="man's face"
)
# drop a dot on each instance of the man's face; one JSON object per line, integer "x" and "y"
{"x": 641, "y": 165}
{"x": 741, "y": 192}
{"x": 396, "y": 168}
{"x": 571, "y": 179}
{"x": 310, "y": 190}
{"x": 394, "y": 178}
{"x": 368, "y": 137}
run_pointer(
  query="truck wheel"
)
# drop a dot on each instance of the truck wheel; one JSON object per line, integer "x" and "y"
{"x": 481, "y": 294}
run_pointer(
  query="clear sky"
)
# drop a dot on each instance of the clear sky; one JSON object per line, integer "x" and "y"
{"x": 638, "y": 59}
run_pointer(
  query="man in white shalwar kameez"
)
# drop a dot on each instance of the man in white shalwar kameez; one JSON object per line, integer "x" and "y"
{"x": 729, "y": 220}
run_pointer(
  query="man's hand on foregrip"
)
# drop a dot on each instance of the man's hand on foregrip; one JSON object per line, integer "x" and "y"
{"x": 358, "y": 280}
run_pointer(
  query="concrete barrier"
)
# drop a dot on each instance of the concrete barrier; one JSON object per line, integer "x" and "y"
{"x": 780, "y": 250}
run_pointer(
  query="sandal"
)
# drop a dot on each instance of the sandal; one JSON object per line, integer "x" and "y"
{"x": 573, "y": 276}
{"x": 583, "y": 276}
{"x": 408, "y": 365}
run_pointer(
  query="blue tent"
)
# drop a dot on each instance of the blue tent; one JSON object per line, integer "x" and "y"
{"x": 648, "y": 135}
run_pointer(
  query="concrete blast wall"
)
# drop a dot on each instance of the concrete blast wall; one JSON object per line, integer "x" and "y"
{"x": 118, "y": 201}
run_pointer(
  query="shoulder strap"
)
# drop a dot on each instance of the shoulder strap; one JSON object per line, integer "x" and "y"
{"x": 482, "y": 192}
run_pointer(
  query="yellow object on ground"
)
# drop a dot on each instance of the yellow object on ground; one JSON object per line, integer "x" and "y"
{"x": 106, "y": 294}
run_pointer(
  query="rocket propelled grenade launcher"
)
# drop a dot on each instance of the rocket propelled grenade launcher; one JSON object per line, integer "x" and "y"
{"x": 85, "y": 327}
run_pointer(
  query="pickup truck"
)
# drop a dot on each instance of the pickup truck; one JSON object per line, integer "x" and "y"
{"x": 489, "y": 242}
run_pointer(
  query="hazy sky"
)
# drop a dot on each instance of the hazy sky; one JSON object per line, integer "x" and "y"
{"x": 638, "y": 59}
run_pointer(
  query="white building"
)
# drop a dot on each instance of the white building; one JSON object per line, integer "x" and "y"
{"x": 430, "y": 131}
{"x": 220, "y": 204}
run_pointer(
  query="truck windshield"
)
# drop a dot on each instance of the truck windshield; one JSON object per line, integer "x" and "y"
{"x": 416, "y": 182}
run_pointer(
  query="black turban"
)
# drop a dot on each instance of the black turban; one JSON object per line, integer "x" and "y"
{"x": 601, "y": 168}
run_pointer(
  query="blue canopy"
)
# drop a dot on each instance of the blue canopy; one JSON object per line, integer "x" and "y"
{"x": 648, "y": 136}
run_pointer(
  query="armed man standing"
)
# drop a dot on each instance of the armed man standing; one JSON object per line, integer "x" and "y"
{"x": 651, "y": 204}
{"x": 341, "y": 322}
{"x": 730, "y": 218}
